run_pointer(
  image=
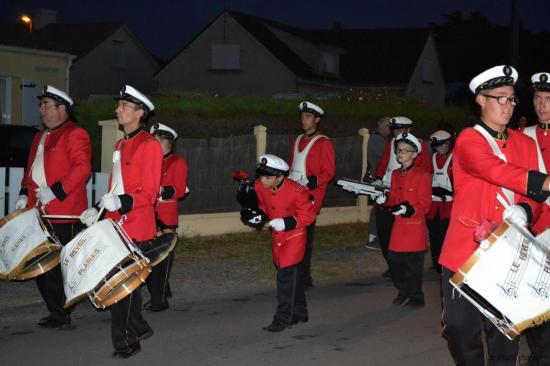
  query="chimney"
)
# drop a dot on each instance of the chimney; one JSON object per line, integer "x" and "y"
{"x": 43, "y": 17}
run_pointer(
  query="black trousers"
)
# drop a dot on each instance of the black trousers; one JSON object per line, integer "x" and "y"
{"x": 127, "y": 323}
{"x": 50, "y": 284}
{"x": 462, "y": 328}
{"x": 157, "y": 282}
{"x": 437, "y": 229}
{"x": 384, "y": 223}
{"x": 538, "y": 339}
{"x": 406, "y": 269}
{"x": 291, "y": 298}
{"x": 307, "y": 280}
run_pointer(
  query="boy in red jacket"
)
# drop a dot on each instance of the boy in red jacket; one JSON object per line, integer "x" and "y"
{"x": 409, "y": 201}
{"x": 291, "y": 209}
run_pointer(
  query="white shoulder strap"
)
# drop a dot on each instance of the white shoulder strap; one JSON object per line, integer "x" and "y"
{"x": 496, "y": 150}
{"x": 531, "y": 131}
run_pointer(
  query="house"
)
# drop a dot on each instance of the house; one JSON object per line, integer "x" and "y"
{"x": 105, "y": 56}
{"x": 24, "y": 69}
{"x": 238, "y": 54}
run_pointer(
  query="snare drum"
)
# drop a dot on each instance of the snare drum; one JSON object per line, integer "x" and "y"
{"x": 160, "y": 247}
{"x": 508, "y": 279}
{"x": 27, "y": 249}
{"x": 102, "y": 263}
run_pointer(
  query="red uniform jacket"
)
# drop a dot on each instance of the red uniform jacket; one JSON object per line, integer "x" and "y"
{"x": 409, "y": 234}
{"x": 291, "y": 202}
{"x": 444, "y": 208}
{"x": 320, "y": 163}
{"x": 423, "y": 161}
{"x": 478, "y": 175}
{"x": 67, "y": 165}
{"x": 174, "y": 183}
{"x": 544, "y": 144}
{"x": 141, "y": 162}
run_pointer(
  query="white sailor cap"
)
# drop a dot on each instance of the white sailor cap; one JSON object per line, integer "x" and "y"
{"x": 541, "y": 81}
{"x": 269, "y": 165}
{"x": 493, "y": 78}
{"x": 163, "y": 130}
{"x": 59, "y": 95}
{"x": 410, "y": 139}
{"x": 440, "y": 137}
{"x": 311, "y": 108}
{"x": 400, "y": 122}
{"x": 133, "y": 95}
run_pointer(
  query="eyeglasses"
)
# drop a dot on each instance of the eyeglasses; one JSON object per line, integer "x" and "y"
{"x": 404, "y": 151}
{"x": 125, "y": 105}
{"x": 538, "y": 98}
{"x": 502, "y": 100}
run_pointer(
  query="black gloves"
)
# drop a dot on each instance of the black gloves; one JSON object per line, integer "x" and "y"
{"x": 312, "y": 182}
{"x": 404, "y": 209}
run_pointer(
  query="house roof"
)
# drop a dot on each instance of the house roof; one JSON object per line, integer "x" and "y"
{"x": 74, "y": 38}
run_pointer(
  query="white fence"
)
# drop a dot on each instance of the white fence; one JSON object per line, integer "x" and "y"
{"x": 10, "y": 184}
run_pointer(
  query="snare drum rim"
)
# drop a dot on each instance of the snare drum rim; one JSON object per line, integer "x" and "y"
{"x": 9, "y": 217}
{"x": 45, "y": 247}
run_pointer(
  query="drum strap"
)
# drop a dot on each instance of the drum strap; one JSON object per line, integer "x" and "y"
{"x": 496, "y": 150}
{"x": 38, "y": 174}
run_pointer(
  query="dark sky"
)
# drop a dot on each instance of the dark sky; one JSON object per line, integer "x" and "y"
{"x": 165, "y": 26}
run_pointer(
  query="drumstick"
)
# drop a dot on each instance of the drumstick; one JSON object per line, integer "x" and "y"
{"x": 67, "y": 217}
{"x": 103, "y": 208}
{"x": 520, "y": 228}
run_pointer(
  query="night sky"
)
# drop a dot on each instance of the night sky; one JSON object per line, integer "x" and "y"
{"x": 165, "y": 26}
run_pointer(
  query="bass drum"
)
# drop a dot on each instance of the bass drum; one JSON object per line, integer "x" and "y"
{"x": 158, "y": 249}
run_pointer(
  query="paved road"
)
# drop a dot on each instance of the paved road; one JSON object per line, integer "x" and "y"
{"x": 350, "y": 324}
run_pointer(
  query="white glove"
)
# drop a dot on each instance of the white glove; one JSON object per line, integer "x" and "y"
{"x": 401, "y": 210}
{"x": 381, "y": 199}
{"x": 21, "y": 202}
{"x": 111, "y": 202}
{"x": 89, "y": 216}
{"x": 44, "y": 195}
{"x": 277, "y": 224}
{"x": 377, "y": 182}
{"x": 515, "y": 214}
{"x": 256, "y": 219}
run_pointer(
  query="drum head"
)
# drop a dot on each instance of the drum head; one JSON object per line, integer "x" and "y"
{"x": 159, "y": 248}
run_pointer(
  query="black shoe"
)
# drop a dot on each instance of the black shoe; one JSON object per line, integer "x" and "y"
{"x": 372, "y": 245}
{"x": 276, "y": 326}
{"x": 416, "y": 303}
{"x": 148, "y": 303}
{"x": 54, "y": 323}
{"x": 148, "y": 334}
{"x": 299, "y": 320}
{"x": 128, "y": 352}
{"x": 400, "y": 300}
{"x": 157, "y": 308}
{"x": 44, "y": 320}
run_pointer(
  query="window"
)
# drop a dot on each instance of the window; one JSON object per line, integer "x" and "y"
{"x": 427, "y": 72}
{"x": 5, "y": 100}
{"x": 328, "y": 62}
{"x": 117, "y": 55}
{"x": 225, "y": 57}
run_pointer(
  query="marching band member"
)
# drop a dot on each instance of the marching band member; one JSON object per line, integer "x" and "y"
{"x": 442, "y": 193}
{"x": 409, "y": 200}
{"x": 58, "y": 167}
{"x": 291, "y": 210}
{"x": 311, "y": 164}
{"x": 388, "y": 163}
{"x": 491, "y": 164}
{"x": 173, "y": 186}
{"x": 135, "y": 183}
{"x": 538, "y": 338}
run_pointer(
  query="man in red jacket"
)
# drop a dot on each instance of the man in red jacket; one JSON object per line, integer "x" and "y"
{"x": 291, "y": 210}
{"x": 387, "y": 164}
{"x": 312, "y": 165}
{"x": 491, "y": 164}
{"x": 135, "y": 183}
{"x": 58, "y": 167}
{"x": 538, "y": 338}
{"x": 173, "y": 187}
